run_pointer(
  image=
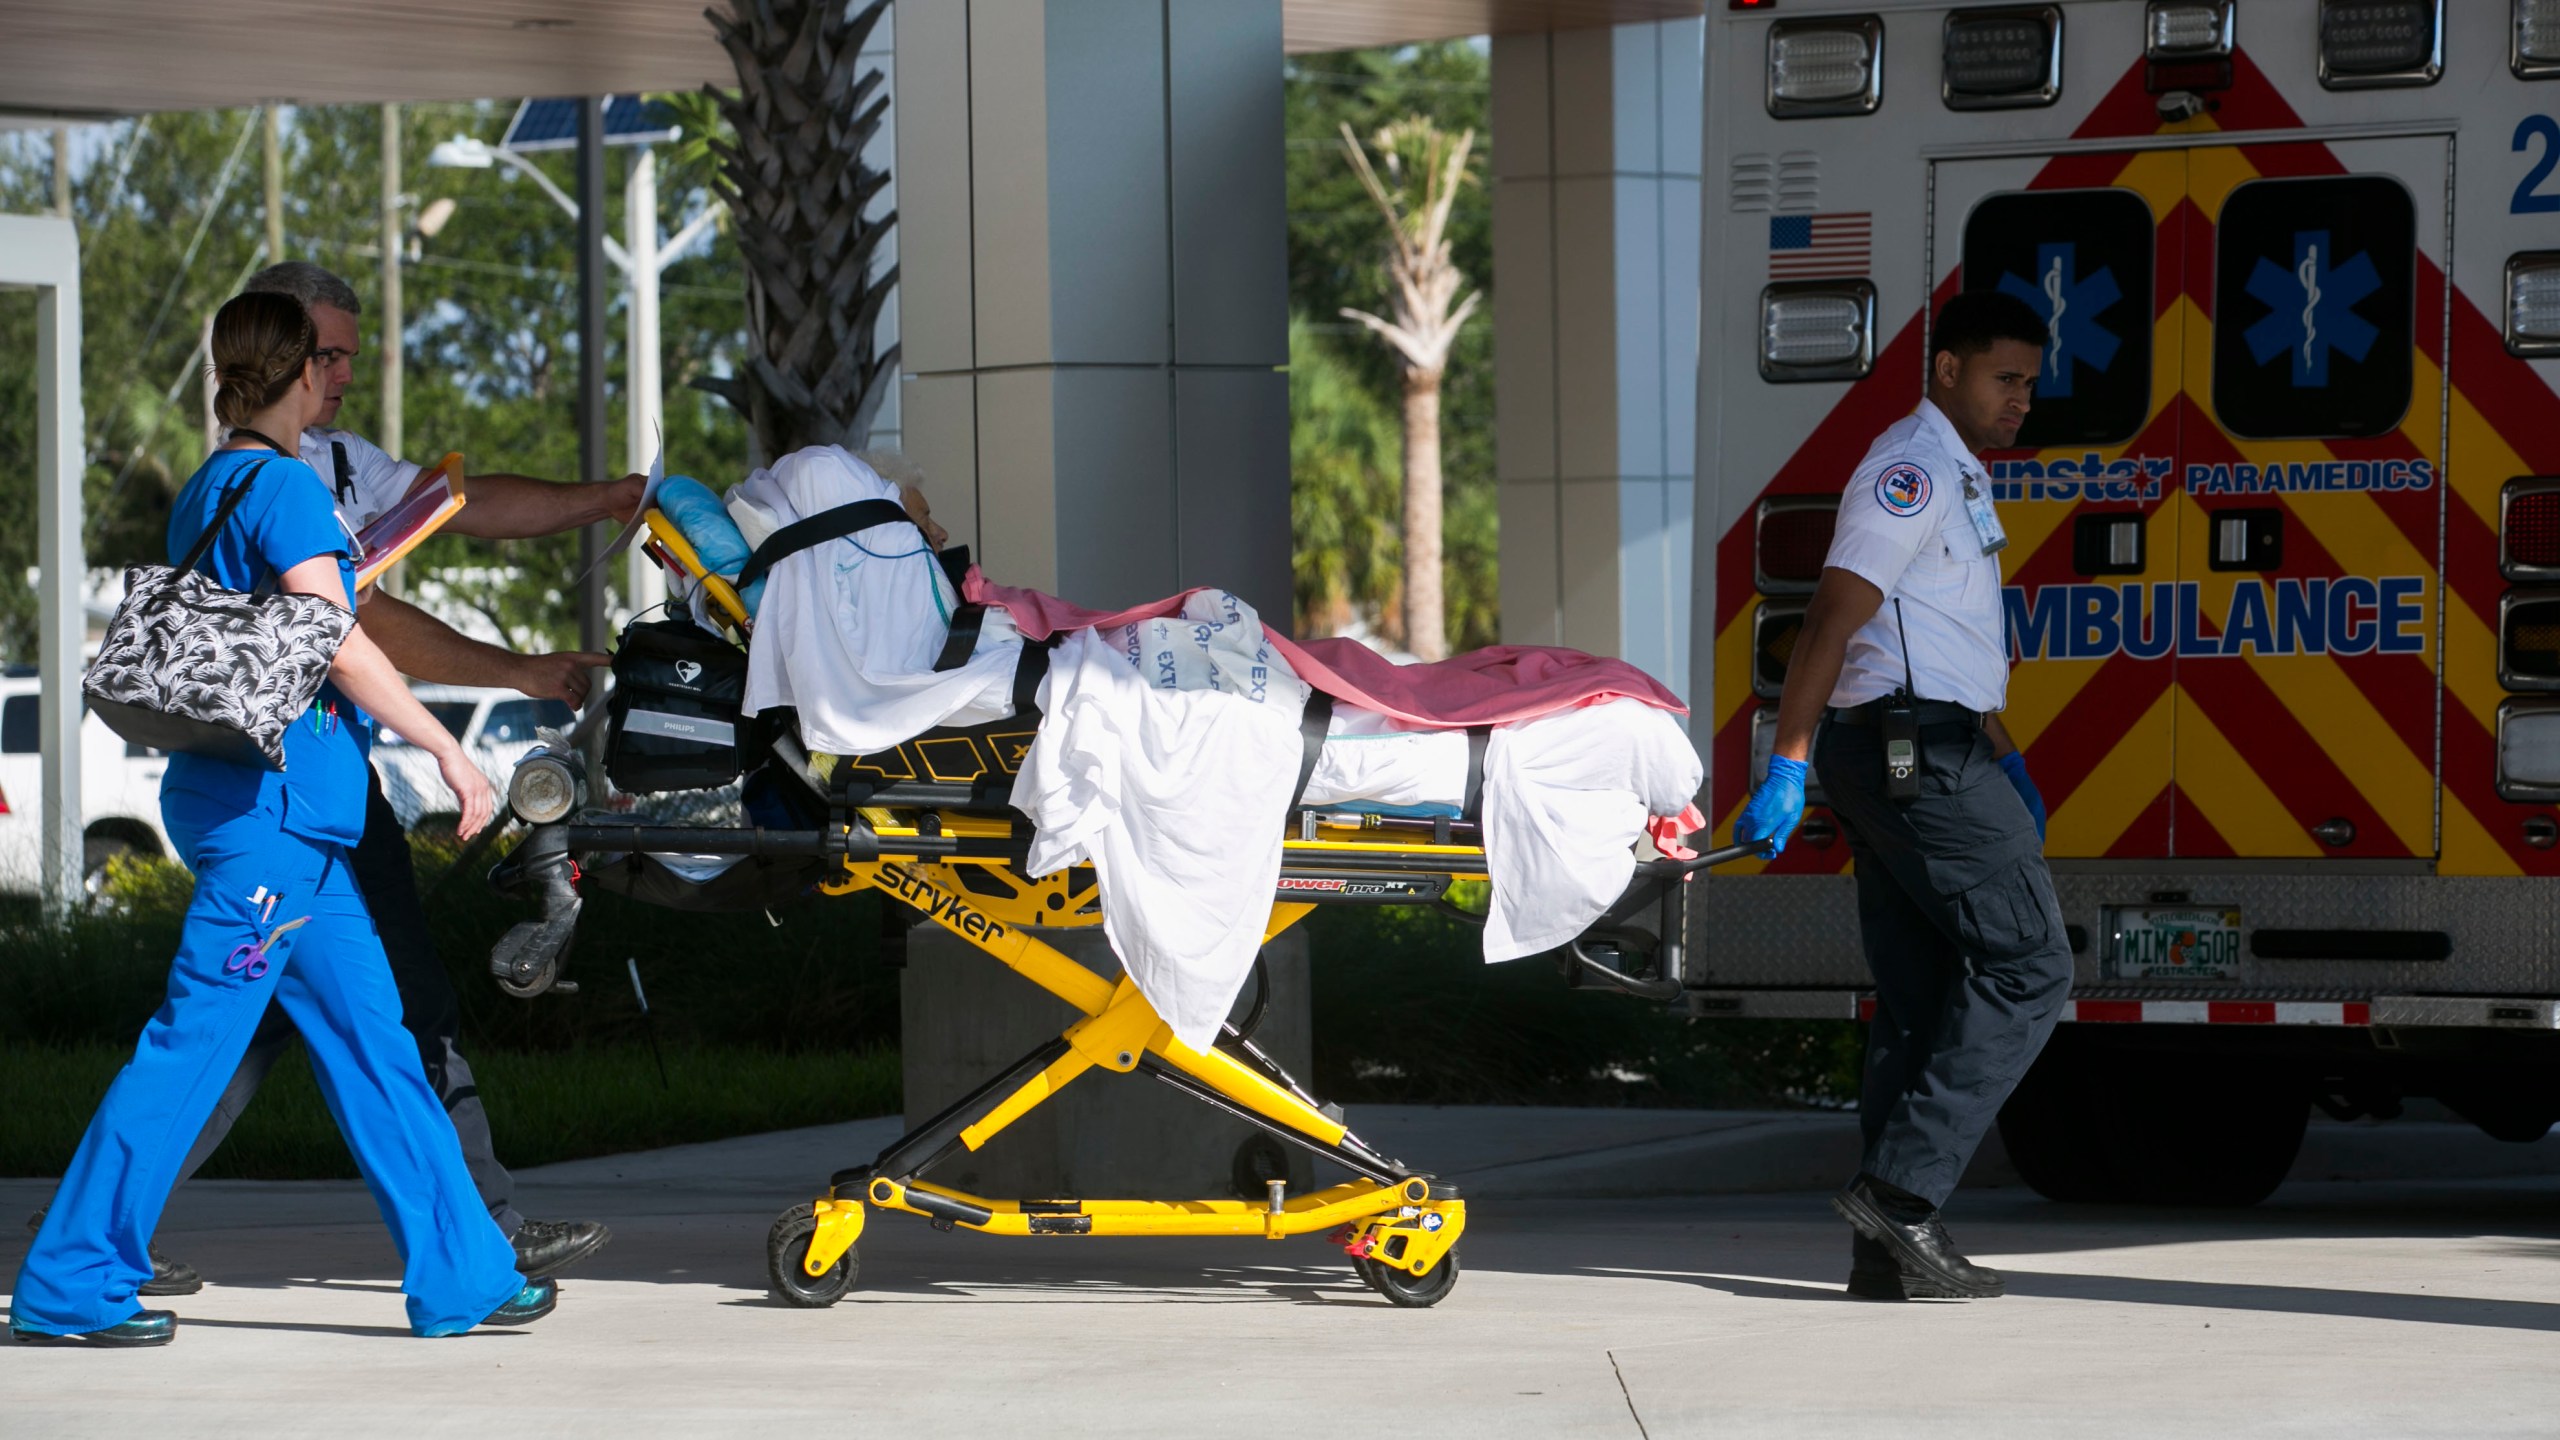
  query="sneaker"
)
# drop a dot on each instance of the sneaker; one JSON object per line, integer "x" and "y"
{"x": 143, "y": 1327}
{"x": 537, "y": 1299}
{"x": 547, "y": 1247}
{"x": 168, "y": 1277}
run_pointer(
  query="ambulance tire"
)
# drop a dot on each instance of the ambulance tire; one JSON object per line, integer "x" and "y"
{"x": 786, "y": 1251}
{"x": 2050, "y": 1131}
{"x": 2086, "y": 1127}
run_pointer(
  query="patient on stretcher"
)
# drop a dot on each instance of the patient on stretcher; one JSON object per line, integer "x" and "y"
{"x": 1175, "y": 738}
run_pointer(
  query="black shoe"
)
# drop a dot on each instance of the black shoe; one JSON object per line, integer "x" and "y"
{"x": 143, "y": 1327}
{"x": 1873, "y": 1272}
{"x": 1932, "y": 1269}
{"x": 168, "y": 1277}
{"x": 547, "y": 1247}
{"x": 537, "y": 1299}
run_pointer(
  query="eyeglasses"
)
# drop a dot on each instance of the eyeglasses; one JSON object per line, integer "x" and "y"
{"x": 330, "y": 357}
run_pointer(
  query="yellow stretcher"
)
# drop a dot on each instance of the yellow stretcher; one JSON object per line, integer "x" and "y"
{"x": 928, "y": 825}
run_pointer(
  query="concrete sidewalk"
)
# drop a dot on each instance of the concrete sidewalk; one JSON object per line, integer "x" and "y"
{"x": 2382, "y": 1307}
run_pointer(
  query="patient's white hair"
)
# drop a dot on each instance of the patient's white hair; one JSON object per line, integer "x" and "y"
{"x": 893, "y": 466}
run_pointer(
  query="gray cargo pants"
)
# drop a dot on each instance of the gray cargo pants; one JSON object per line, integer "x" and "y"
{"x": 1963, "y": 936}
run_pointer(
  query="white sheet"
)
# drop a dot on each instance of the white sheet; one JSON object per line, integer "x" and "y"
{"x": 1565, "y": 800}
{"x": 1157, "y": 741}
{"x": 849, "y": 629}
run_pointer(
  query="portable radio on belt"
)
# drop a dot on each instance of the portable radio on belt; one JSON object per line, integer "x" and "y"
{"x": 1900, "y": 725}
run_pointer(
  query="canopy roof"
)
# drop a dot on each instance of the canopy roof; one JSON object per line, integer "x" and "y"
{"x": 87, "y": 59}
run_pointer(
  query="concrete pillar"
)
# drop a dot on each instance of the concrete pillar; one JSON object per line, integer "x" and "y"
{"x": 1093, "y": 290}
{"x": 1092, "y": 239}
{"x": 1595, "y": 250}
{"x": 1107, "y": 1136}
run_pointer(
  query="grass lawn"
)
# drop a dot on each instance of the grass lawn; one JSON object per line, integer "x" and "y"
{"x": 543, "y": 1106}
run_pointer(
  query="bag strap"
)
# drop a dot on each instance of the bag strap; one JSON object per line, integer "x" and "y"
{"x": 818, "y": 529}
{"x": 213, "y": 528}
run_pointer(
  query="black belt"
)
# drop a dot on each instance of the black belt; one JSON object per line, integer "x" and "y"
{"x": 1926, "y": 712}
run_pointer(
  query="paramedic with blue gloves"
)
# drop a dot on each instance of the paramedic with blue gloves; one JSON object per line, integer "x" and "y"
{"x": 1894, "y": 695}
{"x": 276, "y": 917}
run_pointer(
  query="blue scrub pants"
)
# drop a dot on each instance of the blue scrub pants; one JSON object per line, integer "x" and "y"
{"x": 92, "y": 1253}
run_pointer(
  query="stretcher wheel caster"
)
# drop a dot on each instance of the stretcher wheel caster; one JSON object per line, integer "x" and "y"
{"x": 786, "y": 1247}
{"x": 1416, "y": 1292}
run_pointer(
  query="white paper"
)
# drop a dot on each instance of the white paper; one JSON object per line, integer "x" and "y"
{"x": 648, "y": 497}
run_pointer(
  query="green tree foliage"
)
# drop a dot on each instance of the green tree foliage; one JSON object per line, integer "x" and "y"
{"x": 1336, "y": 259}
{"x": 491, "y": 343}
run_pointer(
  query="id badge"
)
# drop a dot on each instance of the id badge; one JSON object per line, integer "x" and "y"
{"x": 1986, "y": 520}
{"x": 1901, "y": 730}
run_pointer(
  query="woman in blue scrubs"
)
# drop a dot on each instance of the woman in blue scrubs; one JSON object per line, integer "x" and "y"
{"x": 275, "y": 914}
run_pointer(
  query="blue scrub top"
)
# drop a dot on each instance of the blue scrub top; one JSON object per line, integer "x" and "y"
{"x": 285, "y": 519}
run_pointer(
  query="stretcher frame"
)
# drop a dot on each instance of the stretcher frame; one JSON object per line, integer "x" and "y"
{"x": 929, "y": 826}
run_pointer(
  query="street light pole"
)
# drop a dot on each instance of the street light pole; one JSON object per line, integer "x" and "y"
{"x": 644, "y": 585}
{"x": 591, "y": 263}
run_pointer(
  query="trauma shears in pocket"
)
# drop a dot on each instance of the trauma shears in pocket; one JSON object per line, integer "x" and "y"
{"x": 249, "y": 961}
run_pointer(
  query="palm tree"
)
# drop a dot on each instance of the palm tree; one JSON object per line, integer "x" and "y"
{"x": 798, "y": 190}
{"x": 1424, "y": 170}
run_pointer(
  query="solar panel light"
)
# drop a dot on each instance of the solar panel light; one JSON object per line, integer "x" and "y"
{"x": 2529, "y": 529}
{"x": 1831, "y": 66}
{"x": 1817, "y": 330}
{"x": 2371, "y": 43}
{"x": 2187, "y": 29}
{"x": 1791, "y": 537}
{"x": 2534, "y": 51}
{"x": 2533, "y": 303}
{"x": 2002, "y": 59}
{"x": 2528, "y": 751}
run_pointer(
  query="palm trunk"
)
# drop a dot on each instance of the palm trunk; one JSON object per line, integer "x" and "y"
{"x": 1426, "y": 629}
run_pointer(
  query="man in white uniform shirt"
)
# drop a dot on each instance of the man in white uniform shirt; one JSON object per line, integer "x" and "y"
{"x": 1894, "y": 694}
{"x": 502, "y": 507}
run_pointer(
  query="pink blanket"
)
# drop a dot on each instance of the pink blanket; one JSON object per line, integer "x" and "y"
{"x": 1492, "y": 686}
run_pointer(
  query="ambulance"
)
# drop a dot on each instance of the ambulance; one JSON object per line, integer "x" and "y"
{"x": 2283, "y": 580}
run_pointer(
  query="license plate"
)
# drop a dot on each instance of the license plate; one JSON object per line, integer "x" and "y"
{"x": 2172, "y": 942}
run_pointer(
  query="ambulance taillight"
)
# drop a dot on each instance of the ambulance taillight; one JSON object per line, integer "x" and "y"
{"x": 1817, "y": 330}
{"x": 2533, "y": 47}
{"x": 2529, "y": 751}
{"x": 2533, "y": 303}
{"x": 1775, "y": 628}
{"x": 1826, "y": 67}
{"x": 2529, "y": 640}
{"x": 2367, "y": 44}
{"x": 2187, "y": 29}
{"x": 1790, "y": 539}
{"x": 2002, "y": 59}
{"x": 2529, "y": 530}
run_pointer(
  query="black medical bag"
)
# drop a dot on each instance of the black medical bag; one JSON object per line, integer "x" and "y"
{"x": 673, "y": 722}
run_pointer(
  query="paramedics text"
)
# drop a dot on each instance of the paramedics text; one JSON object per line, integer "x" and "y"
{"x": 939, "y": 905}
{"x": 2347, "y": 615}
{"x": 2140, "y": 477}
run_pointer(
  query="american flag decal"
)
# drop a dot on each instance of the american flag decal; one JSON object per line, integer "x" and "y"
{"x": 1820, "y": 247}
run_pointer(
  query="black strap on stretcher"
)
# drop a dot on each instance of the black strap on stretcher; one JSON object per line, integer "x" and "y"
{"x": 818, "y": 529}
{"x": 1317, "y": 719}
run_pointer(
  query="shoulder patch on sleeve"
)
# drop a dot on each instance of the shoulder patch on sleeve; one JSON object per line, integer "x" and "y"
{"x": 1902, "y": 488}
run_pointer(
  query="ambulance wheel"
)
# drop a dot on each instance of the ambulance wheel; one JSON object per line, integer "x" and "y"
{"x": 1414, "y": 1292}
{"x": 786, "y": 1251}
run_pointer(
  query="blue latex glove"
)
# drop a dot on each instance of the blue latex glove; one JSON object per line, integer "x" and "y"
{"x": 2014, "y": 765}
{"x": 1776, "y": 807}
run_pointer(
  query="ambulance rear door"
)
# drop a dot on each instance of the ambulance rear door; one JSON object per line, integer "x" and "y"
{"x": 2308, "y": 514}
